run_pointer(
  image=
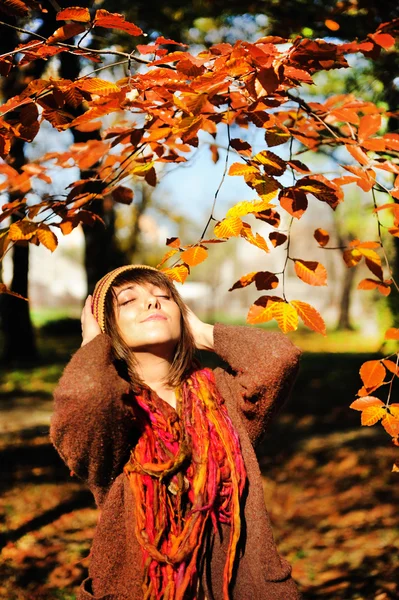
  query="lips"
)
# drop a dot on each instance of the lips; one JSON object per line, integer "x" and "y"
{"x": 155, "y": 317}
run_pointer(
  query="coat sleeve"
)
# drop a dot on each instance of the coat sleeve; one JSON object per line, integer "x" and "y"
{"x": 93, "y": 425}
{"x": 263, "y": 366}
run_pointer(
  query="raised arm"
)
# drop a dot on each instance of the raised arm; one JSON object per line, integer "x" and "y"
{"x": 264, "y": 365}
{"x": 93, "y": 426}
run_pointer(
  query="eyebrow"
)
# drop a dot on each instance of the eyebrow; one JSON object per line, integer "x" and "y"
{"x": 129, "y": 287}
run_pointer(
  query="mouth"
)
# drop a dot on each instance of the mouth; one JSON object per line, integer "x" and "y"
{"x": 154, "y": 318}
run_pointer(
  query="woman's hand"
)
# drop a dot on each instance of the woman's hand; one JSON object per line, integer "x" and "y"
{"x": 202, "y": 332}
{"x": 90, "y": 327}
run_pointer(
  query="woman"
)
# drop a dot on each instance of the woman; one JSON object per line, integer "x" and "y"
{"x": 167, "y": 448}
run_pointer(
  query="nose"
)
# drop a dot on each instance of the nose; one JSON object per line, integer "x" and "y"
{"x": 153, "y": 302}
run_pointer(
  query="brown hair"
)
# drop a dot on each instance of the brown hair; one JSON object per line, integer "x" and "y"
{"x": 183, "y": 361}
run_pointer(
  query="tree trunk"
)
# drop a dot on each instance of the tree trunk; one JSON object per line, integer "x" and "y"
{"x": 344, "y": 321}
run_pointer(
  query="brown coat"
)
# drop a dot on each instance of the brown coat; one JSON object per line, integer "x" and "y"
{"x": 93, "y": 430}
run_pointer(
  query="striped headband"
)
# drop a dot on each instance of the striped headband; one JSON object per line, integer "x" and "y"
{"x": 102, "y": 287}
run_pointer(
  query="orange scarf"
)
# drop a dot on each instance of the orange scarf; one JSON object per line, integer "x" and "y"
{"x": 186, "y": 473}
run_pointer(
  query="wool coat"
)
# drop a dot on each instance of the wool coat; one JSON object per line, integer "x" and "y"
{"x": 93, "y": 428}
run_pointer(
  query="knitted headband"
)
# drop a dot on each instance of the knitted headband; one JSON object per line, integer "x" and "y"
{"x": 102, "y": 287}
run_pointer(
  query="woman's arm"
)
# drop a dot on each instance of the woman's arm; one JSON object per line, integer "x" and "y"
{"x": 263, "y": 364}
{"x": 92, "y": 426}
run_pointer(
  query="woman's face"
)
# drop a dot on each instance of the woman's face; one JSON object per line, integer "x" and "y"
{"x": 147, "y": 317}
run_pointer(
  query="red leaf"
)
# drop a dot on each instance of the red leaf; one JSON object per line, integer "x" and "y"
{"x": 74, "y": 14}
{"x": 109, "y": 20}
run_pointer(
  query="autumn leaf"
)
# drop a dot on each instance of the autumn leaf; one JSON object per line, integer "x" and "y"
{"x": 243, "y": 169}
{"x": 167, "y": 256}
{"x": 256, "y": 240}
{"x": 311, "y": 272}
{"x": 97, "y": 86}
{"x": 246, "y": 207}
{"x": 369, "y": 125}
{"x": 22, "y": 230}
{"x": 194, "y": 256}
{"x": 366, "y": 402}
{"x": 293, "y": 201}
{"x": 322, "y": 237}
{"x": 173, "y": 242}
{"x": 244, "y": 281}
{"x": 47, "y": 237}
{"x": 109, "y": 20}
{"x": 123, "y": 195}
{"x": 65, "y": 32}
{"x": 310, "y": 317}
{"x": 229, "y": 227}
{"x": 372, "y": 284}
{"x": 272, "y": 164}
{"x": 275, "y": 136}
{"x": 392, "y": 334}
{"x": 372, "y": 414}
{"x": 352, "y": 257}
{"x": 391, "y": 424}
{"x": 267, "y": 308}
{"x": 242, "y": 147}
{"x": 81, "y": 15}
{"x": 277, "y": 238}
{"x": 372, "y": 373}
{"x": 391, "y": 366}
{"x": 178, "y": 273}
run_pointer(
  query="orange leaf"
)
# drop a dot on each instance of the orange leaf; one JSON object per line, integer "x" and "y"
{"x": 109, "y": 20}
{"x": 4, "y": 290}
{"x": 244, "y": 281}
{"x": 299, "y": 166}
{"x": 74, "y": 14}
{"x": 242, "y": 169}
{"x": 65, "y": 32}
{"x": 257, "y": 240}
{"x": 385, "y": 40}
{"x": 286, "y": 316}
{"x": 167, "y": 256}
{"x": 123, "y": 195}
{"x": 311, "y": 272}
{"x": 275, "y": 136}
{"x": 173, "y": 242}
{"x": 373, "y": 284}
{"x": 392, "y": 334}
{"x": 266, "y": 187}
{"x": 310, "y": 316}
{"x": 178, "y": 273}
{"x": 97, "y": 86}
{"x": 358, "y": 154}
{"x": 394, "y": 410}
{"x": 4, "y": 241}
{"x": 369, "y": 125}
{"x": 391, "y": 425}
{"x": 264, "y": 280}
{"x": 391, "y": 366}
{"x": 242, "y": 147}
{"x": 372, "y": 373}
{"x": 372, "y": 414}
{"x": 293, "y": 201}
{"x": 229, "y": 227}
{"x": 363, "y": 403}
{"x": 277, "y": 238}
{"x": 322, "y": 237}
{"x": 47, "y": 237}
{"x": 194, "y": 256}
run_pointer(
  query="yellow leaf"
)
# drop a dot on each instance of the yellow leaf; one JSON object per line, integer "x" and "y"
{"x": 394, "y": 409}
{"x": 242, "y": 169}
{"x": 309, "y": 316}
{"x": 178, "y": 273}
{"x": 194, "y": 256}
{"x": 246, "y": 207}
{"x": 286, "y": 316}
{"x": 372, "y": 414}
{"x": 311, "y": 272}
{"x": 22, "y": 230}
{"x": 47, "y": 238}
{"x": 352, "y": 257}
{"x": 229, "y": 227}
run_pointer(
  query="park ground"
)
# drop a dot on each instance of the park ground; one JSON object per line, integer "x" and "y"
{"x": 328, "y": 484}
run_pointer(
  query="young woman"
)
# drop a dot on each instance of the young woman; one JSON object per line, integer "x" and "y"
{"x": 167, "y": 447}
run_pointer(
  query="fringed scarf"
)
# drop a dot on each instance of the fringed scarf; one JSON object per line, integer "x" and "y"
{"x": 186, "y": 473}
